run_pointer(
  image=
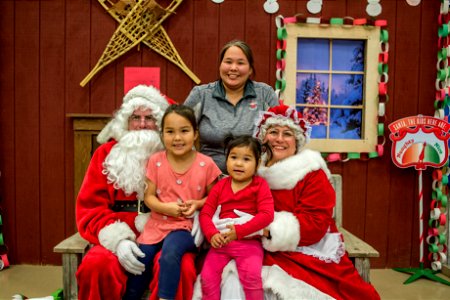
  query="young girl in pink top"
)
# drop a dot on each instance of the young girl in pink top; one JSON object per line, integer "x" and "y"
{"x": 178, "y": 180}
{"x": 243, "y": 191}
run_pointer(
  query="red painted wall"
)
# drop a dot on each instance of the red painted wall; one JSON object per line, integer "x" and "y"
{"x": 48, "y": 47}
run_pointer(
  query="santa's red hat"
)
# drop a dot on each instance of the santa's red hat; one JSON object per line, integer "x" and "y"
{"x": 141, "y": 96}
{"x": 283, "y": 115}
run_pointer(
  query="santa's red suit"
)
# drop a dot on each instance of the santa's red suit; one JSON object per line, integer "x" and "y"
{"x": 305, "y": 242}
{"x": 100, "y": 275}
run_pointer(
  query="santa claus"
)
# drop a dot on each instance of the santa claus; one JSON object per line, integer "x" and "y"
{"x": 111, "y": 196}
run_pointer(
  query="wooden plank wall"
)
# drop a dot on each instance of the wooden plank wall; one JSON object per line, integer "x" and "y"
{"x": 47, "y": 47}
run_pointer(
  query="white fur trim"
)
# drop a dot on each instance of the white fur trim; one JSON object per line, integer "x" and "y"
{"x": 285, "y": 232}
{"x": 140, "y": 96}
{"x": 148, "y": 92}
{"x": 286, "y": 173}
{"x": 140, "y": 221}
{"x": 105, "y": 134}
{"x": 276, "y": 282}
{"x": 285, "y": 286}
{"x": 197, "y": 294}
{"x": 231, "y": 288}
{"x": 110, "y": 236}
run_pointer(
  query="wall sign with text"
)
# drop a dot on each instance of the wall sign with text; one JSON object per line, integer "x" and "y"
{"x": 419, "y": 141}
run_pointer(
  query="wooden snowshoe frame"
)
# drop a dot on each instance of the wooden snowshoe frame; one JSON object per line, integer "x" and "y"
{"x": 142, "y": 23}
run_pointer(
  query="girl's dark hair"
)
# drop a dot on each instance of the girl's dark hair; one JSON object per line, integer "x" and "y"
{"x": 246, "y": 141}
{"x": 244, "y": 47}
{"x": 182, "y": 110}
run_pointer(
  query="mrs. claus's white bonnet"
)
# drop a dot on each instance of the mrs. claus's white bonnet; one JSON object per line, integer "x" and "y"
{"x": 141, "y": 96}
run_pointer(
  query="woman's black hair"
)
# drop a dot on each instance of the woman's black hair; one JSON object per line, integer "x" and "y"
{"x": 254, "y": 144}
{"x": 182, "y": 110}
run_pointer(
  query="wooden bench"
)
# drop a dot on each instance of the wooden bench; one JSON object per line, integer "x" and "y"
{"x": 74, "y": 248}
{"x": 359, "y": 251}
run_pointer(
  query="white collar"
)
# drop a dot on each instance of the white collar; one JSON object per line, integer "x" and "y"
{"x": 286, "y": 173}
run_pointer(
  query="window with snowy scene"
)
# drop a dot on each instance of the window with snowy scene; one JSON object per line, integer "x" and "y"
{"x": 331, "y": 77}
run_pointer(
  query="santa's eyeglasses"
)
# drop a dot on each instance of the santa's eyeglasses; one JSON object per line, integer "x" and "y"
{"x": 139, "y": 119}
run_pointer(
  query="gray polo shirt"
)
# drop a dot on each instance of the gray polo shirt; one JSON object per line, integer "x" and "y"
{"x": 217, "y": 117}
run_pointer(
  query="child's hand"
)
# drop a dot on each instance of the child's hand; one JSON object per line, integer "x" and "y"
{"x": 218, "y": 241}
{"x": 190, "y": 206}
{"x": 230, "y": 235}
{"x": 174, "y": 209}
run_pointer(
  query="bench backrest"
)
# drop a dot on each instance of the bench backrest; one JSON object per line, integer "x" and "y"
{"x": 336, "y": 182}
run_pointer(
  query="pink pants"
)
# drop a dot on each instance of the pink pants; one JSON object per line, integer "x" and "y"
{"x": 248, "y": 255}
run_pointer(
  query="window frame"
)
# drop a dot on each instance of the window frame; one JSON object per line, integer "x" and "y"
{"x": 371, "y": 36}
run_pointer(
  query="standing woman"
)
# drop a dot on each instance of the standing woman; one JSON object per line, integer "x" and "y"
{"x": 231, "y": 104}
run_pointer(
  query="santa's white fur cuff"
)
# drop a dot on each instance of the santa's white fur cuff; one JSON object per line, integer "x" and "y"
{"x": 284, "y": 231}
{"x": 140, "y": 221}
{"x": 110, "y": 236}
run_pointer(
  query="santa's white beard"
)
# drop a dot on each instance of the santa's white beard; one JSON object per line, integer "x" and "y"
{"x": 125, "y": 165}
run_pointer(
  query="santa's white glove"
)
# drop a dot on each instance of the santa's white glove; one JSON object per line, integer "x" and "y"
{"x": 127, "y": 251}
{"x": 244, "y": 218}
{"x": 196, "y": 232}
{"x": 221, "y": 224}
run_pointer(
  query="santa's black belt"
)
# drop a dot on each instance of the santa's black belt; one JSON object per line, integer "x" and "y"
{"x": 129, "y": 206}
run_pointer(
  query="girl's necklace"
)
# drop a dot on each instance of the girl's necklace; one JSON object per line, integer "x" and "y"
{"x": 184, "y": 169}
{"x": 178, "y": 177}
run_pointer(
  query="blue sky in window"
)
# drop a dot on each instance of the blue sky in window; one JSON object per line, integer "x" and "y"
{"x": 348, "y": 55}
{"x": 313, "y": 54}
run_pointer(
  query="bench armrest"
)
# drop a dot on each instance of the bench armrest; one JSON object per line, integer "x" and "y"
{"x": 356, "y": 247}
{"x": 72, "y": 244}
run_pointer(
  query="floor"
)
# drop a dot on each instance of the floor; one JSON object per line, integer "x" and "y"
{"x": 42, "y": 281}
